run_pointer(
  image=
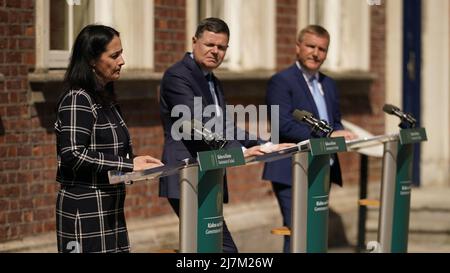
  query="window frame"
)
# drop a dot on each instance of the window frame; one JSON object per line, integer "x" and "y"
{"x": 100, "y": 11}
{"x": 47, "y": 58}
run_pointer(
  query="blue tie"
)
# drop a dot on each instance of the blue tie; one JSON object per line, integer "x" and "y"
{"x": 213, "y": 93}
{"x": 319, "y": 99}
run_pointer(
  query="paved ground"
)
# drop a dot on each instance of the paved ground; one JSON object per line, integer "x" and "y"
{"x": 251, "y": 223}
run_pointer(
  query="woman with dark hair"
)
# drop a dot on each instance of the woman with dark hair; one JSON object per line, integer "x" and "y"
{"x": 91, "y": 139}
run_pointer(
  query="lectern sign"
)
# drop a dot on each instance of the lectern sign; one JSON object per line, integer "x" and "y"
{"x": 217, "y": 159}
{"x": 322, "y": 146}
{"x": 412, "y": 135}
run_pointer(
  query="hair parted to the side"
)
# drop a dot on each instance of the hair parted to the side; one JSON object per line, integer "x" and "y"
{"x": 89, "y": 45}
{"x": 212, "y": 24}
{"x": 313, "y": 29}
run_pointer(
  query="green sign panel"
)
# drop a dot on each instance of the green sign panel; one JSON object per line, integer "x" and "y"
{"x": 218, "y": 159}
{"x": 210, "y": 211}
{"x": 412, "y": 135}
{"x": 323, "y": 146}
{"x": 318, "y": 191}
{"x": 402, "y": 199}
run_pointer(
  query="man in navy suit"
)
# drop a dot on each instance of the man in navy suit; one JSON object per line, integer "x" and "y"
{"x": 192, "y": 77}
{"x": 293, "y": 88}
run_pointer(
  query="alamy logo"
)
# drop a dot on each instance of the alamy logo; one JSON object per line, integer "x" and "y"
{"x": 74, "y": 246}
{"x": 373, "y": 2}
{"x": 73, "y": 2}
{"x": 221, "y": 124}
{"x": 374, "y": 247}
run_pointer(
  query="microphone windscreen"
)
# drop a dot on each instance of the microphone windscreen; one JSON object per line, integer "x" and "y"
{"x": 301, "y": 114}
{"x": 389, "y": 108}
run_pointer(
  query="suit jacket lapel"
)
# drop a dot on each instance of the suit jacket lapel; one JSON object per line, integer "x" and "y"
{"x": 302, "y": 85}
{"x": 198, "y": 80}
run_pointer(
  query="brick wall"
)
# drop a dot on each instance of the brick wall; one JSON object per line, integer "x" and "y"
{"x": 245, "y": 183}
{"x": 377, "y": 65}
{"x": 365, "y": 110}
{"x": 170, "y": 32}
{"x": 142, "y": 118}
{"x": 286, "y": 32}
{"x": 27, "y": 160}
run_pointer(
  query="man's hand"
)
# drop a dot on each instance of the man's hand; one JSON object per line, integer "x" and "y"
{"x": 268, "y": 147}
{"x": 348, "y": 135}
{"x": 255, "y": 150}
{"x": 145, "y": 162}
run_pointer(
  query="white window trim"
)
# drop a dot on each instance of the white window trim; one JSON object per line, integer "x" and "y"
{"x": 102, "y": 13}
{"x": 191, "y": 22}
{"x": 42, "y": 34}
{"x": 46, "y": 58}
{"x": 435, "y": 102}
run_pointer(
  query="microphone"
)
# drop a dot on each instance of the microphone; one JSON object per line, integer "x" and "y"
{"x": 407, "y": 120}
{"x": 320, "y": 127}
{"x": 213, "y": 140}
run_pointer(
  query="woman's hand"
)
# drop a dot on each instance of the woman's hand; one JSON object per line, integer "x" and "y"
{"x": 145, "y": 162}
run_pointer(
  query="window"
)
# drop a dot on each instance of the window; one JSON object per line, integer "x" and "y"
{"x": 348, "y": 22}
{"x": 67, "y": 18}
{"x": 58, "y": 22}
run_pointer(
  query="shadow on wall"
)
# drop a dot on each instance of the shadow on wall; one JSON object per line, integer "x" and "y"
{"x": 137, "y": 99}
{"x": 355, "y": 91}
{"x": 355, "y": 96}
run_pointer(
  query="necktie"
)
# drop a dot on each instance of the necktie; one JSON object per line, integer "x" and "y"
{"x": 319, "y": 99}
{"x": 213, "y": 92}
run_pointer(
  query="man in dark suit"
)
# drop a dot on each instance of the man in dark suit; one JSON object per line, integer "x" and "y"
{"x": 192, "y": 77}
{"x": 301, "y": 86}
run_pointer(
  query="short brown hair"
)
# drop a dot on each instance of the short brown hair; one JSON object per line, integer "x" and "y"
{"x": 313, "y": 29}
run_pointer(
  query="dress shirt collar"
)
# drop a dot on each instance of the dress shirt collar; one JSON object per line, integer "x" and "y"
{"x": 305, "y": 73}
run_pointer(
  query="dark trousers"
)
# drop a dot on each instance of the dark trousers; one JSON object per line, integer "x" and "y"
{"x": 284, "y": 197}
{"x": 228, "y": 244}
